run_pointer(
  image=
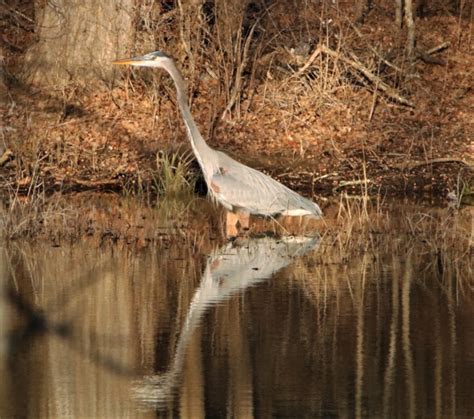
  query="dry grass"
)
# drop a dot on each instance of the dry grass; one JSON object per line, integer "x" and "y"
{"x": 172, "y": 175}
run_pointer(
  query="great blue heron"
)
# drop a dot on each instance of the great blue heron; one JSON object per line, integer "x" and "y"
{"x": 239, "y": 188}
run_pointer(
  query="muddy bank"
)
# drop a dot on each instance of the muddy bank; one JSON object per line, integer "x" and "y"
{"x": 109, "y": 219}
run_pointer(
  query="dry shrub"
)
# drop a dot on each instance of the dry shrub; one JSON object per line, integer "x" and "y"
{"x": 225, "y": 39}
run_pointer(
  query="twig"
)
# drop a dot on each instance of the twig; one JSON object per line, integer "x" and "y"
{"x": 366, "y": 8}
{"x": 374, "y": 98}
{"x": 236, "y": 90}
{"x": 184, "y": 41}
{"x": 325, "y": 176}
{"x": 398, "y": 13}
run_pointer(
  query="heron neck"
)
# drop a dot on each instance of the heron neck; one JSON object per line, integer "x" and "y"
{"x": 198, "y": 143}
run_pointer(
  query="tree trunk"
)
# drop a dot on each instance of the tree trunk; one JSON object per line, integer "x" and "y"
{"x": 410, "y": 28}
{"x": 398, "y": 13}
{"x": 3, "y": 89}
{"x": 77, "y": 40}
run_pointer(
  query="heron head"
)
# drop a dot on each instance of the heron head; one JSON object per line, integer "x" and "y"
{"x": 153, "y": 59}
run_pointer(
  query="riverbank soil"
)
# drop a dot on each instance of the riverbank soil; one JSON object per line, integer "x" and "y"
{"x": 314, "y": 112}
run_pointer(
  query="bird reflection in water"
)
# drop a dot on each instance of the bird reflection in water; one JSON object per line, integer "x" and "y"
{"x": 229, "y": 271}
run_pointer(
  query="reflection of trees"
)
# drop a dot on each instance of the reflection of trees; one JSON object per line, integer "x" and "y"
{"x": 387, "y": 337}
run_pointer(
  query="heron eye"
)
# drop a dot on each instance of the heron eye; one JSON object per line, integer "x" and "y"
{"x": 222, "y": 171}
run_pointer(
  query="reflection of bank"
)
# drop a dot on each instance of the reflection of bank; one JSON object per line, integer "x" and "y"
{"x": 229, "y": 271}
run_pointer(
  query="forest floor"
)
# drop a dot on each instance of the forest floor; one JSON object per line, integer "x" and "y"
{"x": 353, "y": 139}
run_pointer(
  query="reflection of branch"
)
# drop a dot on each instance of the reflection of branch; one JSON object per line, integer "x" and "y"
{"x": 37, "y": 324}
{"x": 229, "y": 271}
{"x": 104, "y": 361}
{"x": 68, "y": 294}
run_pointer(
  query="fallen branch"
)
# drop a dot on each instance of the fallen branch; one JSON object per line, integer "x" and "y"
{"x": 23, "y": 185}
{"x": 427, "y": 57}
{"x": 345, "y": 183}
{"x": 377, "y": 81}
{"x": 389, "y": 91}
{"x": 440, "y": 160}
{"x": 84, "y": 185}
{"x": 379, "y": 56}
{"x": 438, "y": 48}
{"x": 314, "y": 55}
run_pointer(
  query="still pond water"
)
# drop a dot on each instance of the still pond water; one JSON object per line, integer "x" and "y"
{"x": 364, "y": 323}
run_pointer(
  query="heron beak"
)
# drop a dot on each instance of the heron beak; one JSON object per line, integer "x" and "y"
{"x": 130, "y": 61}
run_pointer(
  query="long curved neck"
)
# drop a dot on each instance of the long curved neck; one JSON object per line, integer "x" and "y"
{"x": 198, "y": 144}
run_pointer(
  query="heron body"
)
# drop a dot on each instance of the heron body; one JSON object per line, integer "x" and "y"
{"x": 239, "y": 188}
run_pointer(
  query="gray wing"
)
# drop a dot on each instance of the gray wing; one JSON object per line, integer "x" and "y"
{"x": 239, "y": 186}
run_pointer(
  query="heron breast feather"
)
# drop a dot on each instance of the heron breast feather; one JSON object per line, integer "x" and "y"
{"x": 215, "y": 187}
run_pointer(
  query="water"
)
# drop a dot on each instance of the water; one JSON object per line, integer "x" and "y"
{"x": 365, "y": 323}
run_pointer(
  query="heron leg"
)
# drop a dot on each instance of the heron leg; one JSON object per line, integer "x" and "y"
{"x": 236, "y": 221}
{"x": 231, "y": 229}
{"x": 244, "y": 219}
